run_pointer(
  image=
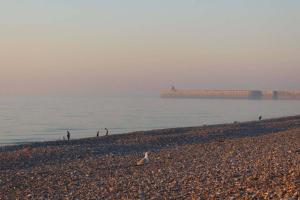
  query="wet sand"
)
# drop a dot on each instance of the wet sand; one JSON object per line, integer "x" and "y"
{"x": 250, "y": 160}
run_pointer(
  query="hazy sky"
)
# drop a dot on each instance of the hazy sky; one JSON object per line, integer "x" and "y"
{"x": 101, "y": 47}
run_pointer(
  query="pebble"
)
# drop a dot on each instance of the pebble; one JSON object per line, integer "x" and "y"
{"x": 212, "y": 162}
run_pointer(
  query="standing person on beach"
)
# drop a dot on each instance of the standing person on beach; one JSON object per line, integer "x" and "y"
{"x": 97, "y": 133}
{"x": 106, "y": 131}
{"x": 68, "y": 135}
{"x": 260, "y": 117}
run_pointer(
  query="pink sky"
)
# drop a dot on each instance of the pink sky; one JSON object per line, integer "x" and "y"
{"x": 107, "y": 48}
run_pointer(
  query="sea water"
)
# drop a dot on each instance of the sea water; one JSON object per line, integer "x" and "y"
{"x": 48, "y": 118}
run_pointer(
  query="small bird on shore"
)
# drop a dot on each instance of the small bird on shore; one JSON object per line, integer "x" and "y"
{"x": 144, "y": 160}
{"x": 68, "y": 135}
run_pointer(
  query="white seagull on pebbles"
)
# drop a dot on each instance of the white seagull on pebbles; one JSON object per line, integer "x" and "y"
{"x": 144, "y": 160}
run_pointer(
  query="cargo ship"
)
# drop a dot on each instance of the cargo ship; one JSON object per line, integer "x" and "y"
{"x": 230, "y": 94}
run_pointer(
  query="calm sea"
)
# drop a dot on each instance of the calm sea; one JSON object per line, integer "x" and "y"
{"x": 40, "y": 119}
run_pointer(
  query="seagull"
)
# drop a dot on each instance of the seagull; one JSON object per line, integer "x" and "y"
{"x": 144, "y": 160}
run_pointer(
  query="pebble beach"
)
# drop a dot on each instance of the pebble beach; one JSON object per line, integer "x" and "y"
{"x": 241, "y": 160}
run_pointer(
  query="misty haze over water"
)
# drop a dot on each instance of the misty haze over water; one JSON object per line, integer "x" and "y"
{"x": 40, "y": 119}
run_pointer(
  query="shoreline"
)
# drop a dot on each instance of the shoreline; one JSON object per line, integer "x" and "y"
{"x": 257, "y": 159}
{"x": 14, "y": 146}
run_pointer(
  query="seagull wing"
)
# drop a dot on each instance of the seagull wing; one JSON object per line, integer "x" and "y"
{"x": 141, "y": 162}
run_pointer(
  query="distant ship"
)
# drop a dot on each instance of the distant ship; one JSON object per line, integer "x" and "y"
{"x": 230, "y": 94}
